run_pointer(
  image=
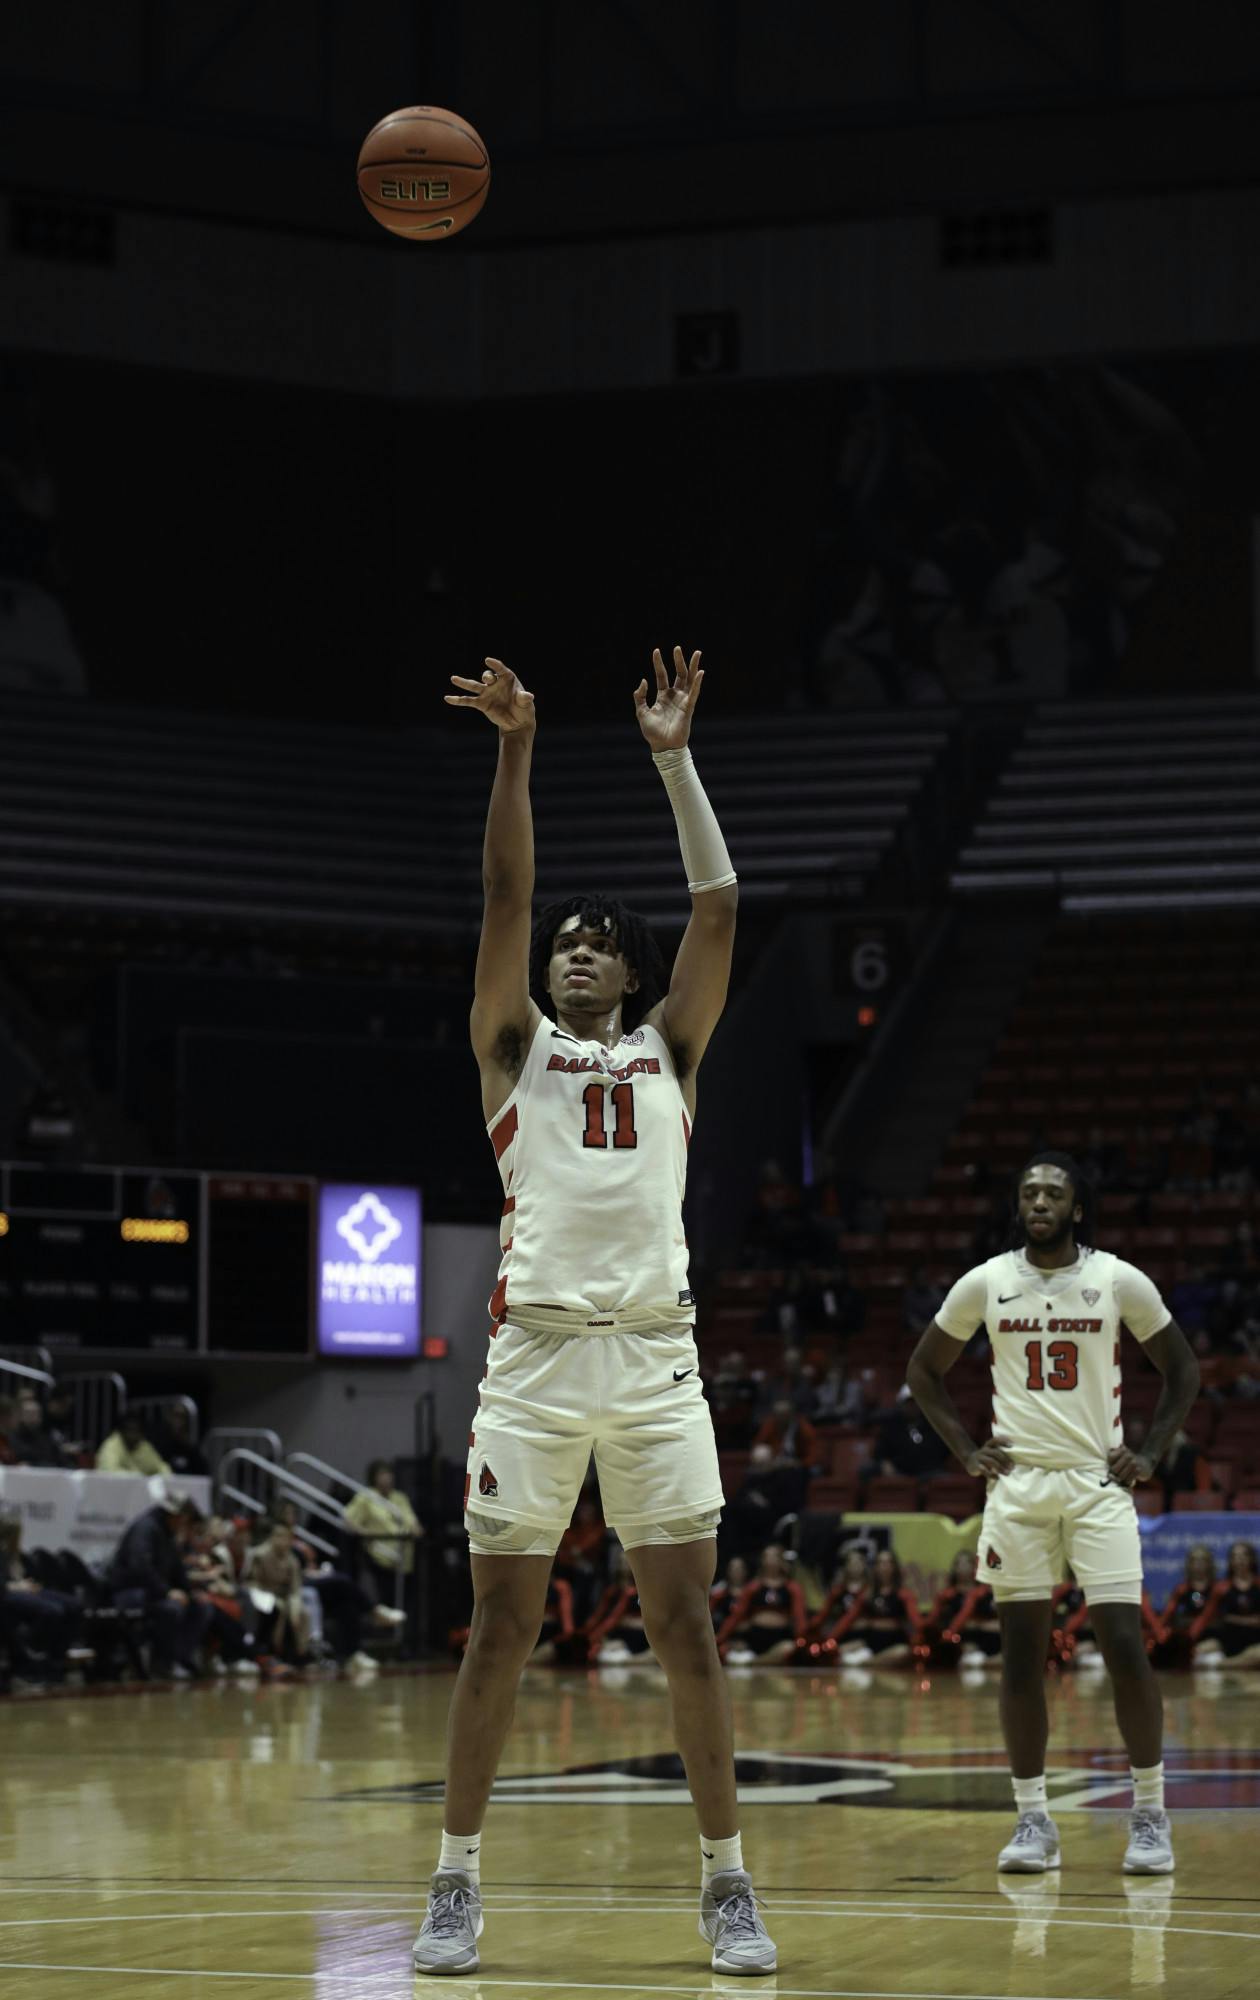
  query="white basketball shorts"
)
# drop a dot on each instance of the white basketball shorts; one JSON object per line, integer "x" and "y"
{"x": 1036, "y": 1521}
{"x": 634, "y": 1399}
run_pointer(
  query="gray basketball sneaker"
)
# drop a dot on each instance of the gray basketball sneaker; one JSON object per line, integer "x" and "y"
{"x": 731, "y": 1923}
{"x": 1149, "y": 1851}
{"x": 452, "y": 1924}
{"x": 1033, "y": 1847}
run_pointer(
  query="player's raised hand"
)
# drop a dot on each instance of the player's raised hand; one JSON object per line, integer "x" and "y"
{"x": 666, "y": 720}
{"x": 1128, "y": 1468}
{"x": 991, "y": 1460}
{"x": 499, "y": 695}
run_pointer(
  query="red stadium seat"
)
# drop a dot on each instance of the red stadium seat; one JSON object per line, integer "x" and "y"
{"x": 1247, "y": 1500}
{"x": 846, "y": 1455}
{"x": 887, "y": 1495}
{"x": 1199, "y": 1503}
{"x": 1148, "y": 1500}
{"x": 954, "y": 1494}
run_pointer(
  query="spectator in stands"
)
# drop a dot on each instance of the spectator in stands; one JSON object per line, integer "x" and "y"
{"x": 791, "y": 1437}
{"x": 582, "y": 1557}
{"x": 60, "y": 1426}
{"x": 727, "y": 1589}
{"x": 919, "y": 1301}
{"x": 962, "y": 1618}
{"x": 556, "y": 1633}
{"x": 770, "y": 1490}
{"x": 210, "y": 1561}
{"x": 273, "y": 1578}
{"x": 905, "y": 1445}
{"x": 841, "y": 1398}
{"x": 734, "y": 1399}
{"x": 767, "y": 1618}
{"x": 147, "y": 1571}
{"x": 1187, "y": 1602}
{"x": 838, "y": 1306}
{"x": 851, "y": 1581}
{"x": 8, "y": 1421}
{"x": 174, "y": 1441}
{"x": 1182, "y": 1469}
{"x": 793, "y": 1383}
{"x": 339, "y": 1603}
{"x": 31, "y": 1441}
{"x": 882, "y": 1626}
{"x": 39, "y": 1626}
{"x": 1072, "y": 1640}
{"x": 127, "y": 1449}
{"x": 615, "y": 1629}
{"x": 386, "y": 1522}
{"x": 1227, "y": 1630}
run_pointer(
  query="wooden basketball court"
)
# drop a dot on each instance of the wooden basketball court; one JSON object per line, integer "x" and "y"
{"x": 223, "y": 1840}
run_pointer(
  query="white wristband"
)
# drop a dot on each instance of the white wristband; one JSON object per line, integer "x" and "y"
{"x": 704, "y": 854}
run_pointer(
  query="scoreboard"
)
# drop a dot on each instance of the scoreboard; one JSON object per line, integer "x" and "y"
{"x": 141, "y": 1260}
{"x": 99, "y": 1257}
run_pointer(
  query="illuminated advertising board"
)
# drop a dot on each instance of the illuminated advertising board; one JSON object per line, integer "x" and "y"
{"x": 368, "y": 1278}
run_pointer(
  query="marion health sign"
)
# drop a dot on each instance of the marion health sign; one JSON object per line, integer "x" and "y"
{"x": 369, "y": 1271}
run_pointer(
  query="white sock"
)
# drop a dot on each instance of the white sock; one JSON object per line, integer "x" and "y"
{"x": 719, "y": 1857}
{"x": 1148, "y": 1788}
{"x": 1030, "y": 1794}
{"x": 461, "y": 1851}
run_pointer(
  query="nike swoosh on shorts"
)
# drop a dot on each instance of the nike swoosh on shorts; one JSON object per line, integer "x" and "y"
{"x": 684, "y": 1375}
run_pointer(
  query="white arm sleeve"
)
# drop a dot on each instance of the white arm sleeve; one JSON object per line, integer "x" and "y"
{"x": 1141, "y": 1306}
{"x": 704, "y": 854}
{"x": 963, "y": 1308}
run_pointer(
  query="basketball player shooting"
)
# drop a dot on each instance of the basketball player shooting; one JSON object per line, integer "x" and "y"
{"x": 589, "y": 1107}
{"x": 1059, "y": 1476}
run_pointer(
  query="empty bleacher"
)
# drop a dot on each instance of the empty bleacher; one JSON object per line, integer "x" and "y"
{"x": 1116, "y": 805}
{"x": 183, "y": 816}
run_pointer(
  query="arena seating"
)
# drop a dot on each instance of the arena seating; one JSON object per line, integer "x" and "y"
{"x": 1126, "y": 805}
{"x": 1134, "y": 1034}
{"x": 153, "y": 813}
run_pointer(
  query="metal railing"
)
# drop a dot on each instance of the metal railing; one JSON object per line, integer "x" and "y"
{"x": 97, "y": 1400}
{"x": 151, "y": 1409}
{"x": 262, "y": 1481}
{"x": 38, "y": 1378}
{"x": 30, "y": 1357}
{"x": 325, "y": 1471}
{"x": 225, "y": 1438}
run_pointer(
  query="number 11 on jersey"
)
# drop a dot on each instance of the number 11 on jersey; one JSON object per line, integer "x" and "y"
{"x": 595, "y": 1132}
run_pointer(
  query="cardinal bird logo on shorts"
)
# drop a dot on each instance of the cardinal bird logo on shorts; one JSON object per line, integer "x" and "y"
{"x": 488, "y": 1485}
{"x": 993, "y": 1560}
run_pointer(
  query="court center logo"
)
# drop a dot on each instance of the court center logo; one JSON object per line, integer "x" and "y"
{"x": 386, "y": 1228}
{"x": 1080, "y": 1780}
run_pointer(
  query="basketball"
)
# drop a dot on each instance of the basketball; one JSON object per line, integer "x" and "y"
{"x": 424, "y": 173}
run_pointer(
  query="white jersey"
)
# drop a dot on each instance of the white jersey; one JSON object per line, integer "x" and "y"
{"x": 592, "y": 1151}
{"x": 1056, "y": 1349}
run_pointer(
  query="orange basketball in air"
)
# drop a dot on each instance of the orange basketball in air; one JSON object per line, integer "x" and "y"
{"x": 423, "y": 173}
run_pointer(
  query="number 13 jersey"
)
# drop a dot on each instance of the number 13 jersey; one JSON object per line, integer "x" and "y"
{"x": 592, "y": 1152}
{"x": 1055, "y": 1337}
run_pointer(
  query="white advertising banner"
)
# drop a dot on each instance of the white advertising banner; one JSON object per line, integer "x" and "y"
{"x": 84, "y": 1511}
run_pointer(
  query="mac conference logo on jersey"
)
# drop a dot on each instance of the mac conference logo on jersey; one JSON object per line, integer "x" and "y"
{"x": 1090, "y": 1296}
{"x": 369, "y": 1271}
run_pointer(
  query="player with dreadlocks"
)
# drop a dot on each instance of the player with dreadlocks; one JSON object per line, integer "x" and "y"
{"x": 1058, "y": 1476}
{"x": 588, "y": 1082}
